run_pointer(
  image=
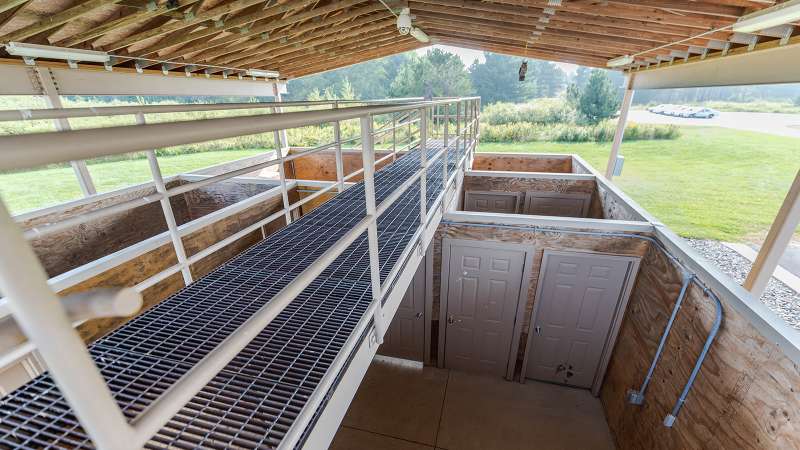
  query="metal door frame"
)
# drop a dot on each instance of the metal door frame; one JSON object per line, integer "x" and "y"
{"x": 519, "y": 203}
{"x": 616, "y": 322}
{"x": 522, "y": 297}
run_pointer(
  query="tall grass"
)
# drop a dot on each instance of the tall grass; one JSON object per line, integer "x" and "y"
{"x": 554, "y": 120}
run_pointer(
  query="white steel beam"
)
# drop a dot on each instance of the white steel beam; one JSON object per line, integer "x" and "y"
{"x": 778, "y": 238}
{"x": 97, "y": 81}
{"x": 765, "y": 66}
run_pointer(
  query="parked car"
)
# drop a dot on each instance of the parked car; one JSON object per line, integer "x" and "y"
{"x": 658, "y": 109}
{"x": 705, "y": 113}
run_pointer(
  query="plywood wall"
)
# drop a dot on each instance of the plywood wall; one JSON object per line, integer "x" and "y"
{"x": 66, "y": 250}
{"x": 539, "y": 241}
{"x": 153, "y": 262}
{"x": 524, "y": 184}
{"x": 747, "y": 394}
{"x": 523, "y": 163}
{"x": 321, "y": 166}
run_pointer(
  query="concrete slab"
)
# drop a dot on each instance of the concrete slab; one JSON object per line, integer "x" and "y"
{"x": 352, "y": 439}
{"x": 399, "y": 400}
{"x": 403, "y": 407}
{"x": 487, "y": 413}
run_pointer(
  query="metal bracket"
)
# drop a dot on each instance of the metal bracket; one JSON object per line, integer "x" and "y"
{"x": 138, "y": 66}
{"x": 72, "y": 64}
{"x": 752, "y": 45}
{"x": 787, "y": 34}
{"x": 29, "y": 61}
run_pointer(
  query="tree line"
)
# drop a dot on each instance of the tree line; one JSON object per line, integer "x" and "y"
{"x": 434, "y": 74}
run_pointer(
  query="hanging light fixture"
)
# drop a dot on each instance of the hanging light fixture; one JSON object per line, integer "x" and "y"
{"x": 523, "y": 70}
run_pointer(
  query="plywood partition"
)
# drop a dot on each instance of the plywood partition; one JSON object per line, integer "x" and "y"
{"x": 540, "y": 241}
{"x": 195, "y": 204}
{"x": 747, "y": 394}
{"x": 510, "y": 162}
{"x": 484, "y": 181}
{"x": 66, "y": 250}
{"x": 321, "y": 165}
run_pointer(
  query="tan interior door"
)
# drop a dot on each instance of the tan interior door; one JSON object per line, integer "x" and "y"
{"x": 557, "y": 204}
{"x": 405, "y": 337}
{"x": 482, "y": 296}
{"x": 497, "y": 202}
{"x": 578, "y": 301}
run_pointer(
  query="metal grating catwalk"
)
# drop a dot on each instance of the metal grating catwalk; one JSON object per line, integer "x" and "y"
{"x": 253, "y": 402}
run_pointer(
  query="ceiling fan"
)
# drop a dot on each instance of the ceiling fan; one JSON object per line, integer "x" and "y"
{"x": 405, "y": 26}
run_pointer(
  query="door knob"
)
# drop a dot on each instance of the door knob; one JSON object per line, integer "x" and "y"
{"x": 418, "y": 315}
{"x": 537, "y": 330}
{"x": 451, "y": 320}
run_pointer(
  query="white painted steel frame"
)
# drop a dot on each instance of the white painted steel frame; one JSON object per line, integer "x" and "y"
{"x": 22, "y": 276}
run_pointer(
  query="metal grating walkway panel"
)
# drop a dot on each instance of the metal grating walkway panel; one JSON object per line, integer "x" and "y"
{"x": 254, "y": 400}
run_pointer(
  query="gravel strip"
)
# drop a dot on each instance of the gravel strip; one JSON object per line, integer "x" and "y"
{"x": 782, "y": 300}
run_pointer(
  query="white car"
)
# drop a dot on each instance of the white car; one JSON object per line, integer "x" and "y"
{"x": 704, "y": 113}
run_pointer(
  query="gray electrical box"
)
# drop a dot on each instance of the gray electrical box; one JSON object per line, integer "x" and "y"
{"x": 618, "y": 165}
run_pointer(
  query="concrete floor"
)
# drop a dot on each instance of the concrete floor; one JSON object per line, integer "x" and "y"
{"x": 401, "y": 407}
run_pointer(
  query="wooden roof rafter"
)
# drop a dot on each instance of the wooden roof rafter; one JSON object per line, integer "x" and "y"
{"x": 243, "y": 34}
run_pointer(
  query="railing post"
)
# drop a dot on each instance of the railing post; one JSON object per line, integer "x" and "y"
{"x": 394, "y": 137}
{"x": 53, "y": 100}
{"x": 282, "y": 172}
{"x": 38, "y": 312}
{"x": 445, "y": 140}
{"x": 368, "y": 155}
{"x": 410, "y": 130}
{"x": 423, "y": 164}
{"x": 337, "y": 137}
{"x": 459, "y": 138}
{"x": 166, "y": 208}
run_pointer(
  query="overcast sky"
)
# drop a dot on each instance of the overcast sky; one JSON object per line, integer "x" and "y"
{"x": 468, "y": 56}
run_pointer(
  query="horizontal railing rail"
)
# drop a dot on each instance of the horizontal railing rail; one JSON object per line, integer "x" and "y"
{"x": 102, "y": 111}
{"x": 39, "y": 314}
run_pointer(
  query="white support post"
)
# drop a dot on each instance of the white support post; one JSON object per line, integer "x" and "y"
{"x": 284, "y": 139}
{"x": 410, "y": 130}
{"x": 459, "y": 139}
{"x": 423, "y": 163}
{"x": 622, "y": 122}
{"x": 778, "y": 238}
{"x": 445, "y": 140}
{"x": 282, "y": 172}
{"x": 166, "y": 208}
{"x": 368, "y": 155}
{"x": 40, "y": 315}
{"x": 394, "y": 137}
{"x": 337, "y": 137}
{"x": 54, "y": 101}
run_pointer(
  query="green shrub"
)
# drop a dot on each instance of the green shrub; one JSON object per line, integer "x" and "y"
{"x": 563, "y": 132}
{"x": 544, "y": 110}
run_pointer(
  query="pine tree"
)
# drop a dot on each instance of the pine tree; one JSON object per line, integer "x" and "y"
{"x": 599, "y": 99}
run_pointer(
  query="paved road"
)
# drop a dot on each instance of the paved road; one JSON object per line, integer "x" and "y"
{"x": 772, "y": 123}
{"x": 790, "y": 260}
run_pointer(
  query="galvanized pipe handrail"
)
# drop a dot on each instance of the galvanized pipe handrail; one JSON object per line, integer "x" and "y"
{"x": 39, "y": 149}
{"x": 101, "y": 111}
{"x": 118, "y": 433}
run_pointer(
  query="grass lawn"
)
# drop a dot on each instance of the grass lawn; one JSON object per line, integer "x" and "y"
{"x": 23, "y": 191}
{"x": 710, "y": 183}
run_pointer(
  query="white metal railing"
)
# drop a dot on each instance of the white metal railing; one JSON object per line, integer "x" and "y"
{"x": 41, "y": 317}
